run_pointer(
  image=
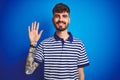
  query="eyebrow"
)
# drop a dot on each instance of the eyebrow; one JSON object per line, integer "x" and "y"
{"x": 62, "y": 15}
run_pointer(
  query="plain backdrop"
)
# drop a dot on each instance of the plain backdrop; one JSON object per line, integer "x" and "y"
{"x": 95, "y": 22}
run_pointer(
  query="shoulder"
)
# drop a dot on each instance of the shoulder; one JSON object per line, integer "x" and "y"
{"x": 77, "y": 40}
{"x": 47, "y": 40}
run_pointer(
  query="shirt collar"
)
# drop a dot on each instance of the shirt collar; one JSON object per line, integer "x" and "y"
{"x": 57, "y": 38}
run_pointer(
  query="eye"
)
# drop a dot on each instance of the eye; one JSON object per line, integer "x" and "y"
{"x": 65, "y": 16}
{"x": 56, "y": 16}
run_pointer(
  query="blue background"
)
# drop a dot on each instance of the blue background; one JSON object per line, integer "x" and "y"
{"x": 95, "y": 22}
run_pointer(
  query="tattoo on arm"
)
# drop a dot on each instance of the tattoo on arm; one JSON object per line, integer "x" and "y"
{"x": 30, "y": 64}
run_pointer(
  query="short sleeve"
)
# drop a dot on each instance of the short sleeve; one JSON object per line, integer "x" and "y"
{"x": 82, "y": 56}
{"x": 39, "y": 56}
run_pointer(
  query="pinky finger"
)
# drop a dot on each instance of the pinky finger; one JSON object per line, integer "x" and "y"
{"x": 28, "y": 29}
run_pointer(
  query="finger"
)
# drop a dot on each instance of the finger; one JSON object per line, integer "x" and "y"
{"x": 37, "y": 26}
{"x": 34, "y": 25}
{"x": 40, "y": 33}
{"x": 28, "y": 29}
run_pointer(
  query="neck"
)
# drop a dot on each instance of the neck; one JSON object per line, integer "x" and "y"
{"x": 63, "y": 34}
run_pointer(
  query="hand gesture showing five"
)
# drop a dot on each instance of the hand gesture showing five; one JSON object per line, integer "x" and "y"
{"x": 34, "y": 36}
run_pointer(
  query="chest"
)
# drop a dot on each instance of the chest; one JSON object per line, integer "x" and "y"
{"x": 61, "y": 54}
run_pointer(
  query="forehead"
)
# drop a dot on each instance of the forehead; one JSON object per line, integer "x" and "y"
{"x": 62, "y": 13}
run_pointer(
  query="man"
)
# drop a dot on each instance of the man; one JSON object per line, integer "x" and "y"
{"x": 64, "y": 56}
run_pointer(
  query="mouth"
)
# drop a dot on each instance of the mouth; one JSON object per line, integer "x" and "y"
{"x": 60, "y": 23}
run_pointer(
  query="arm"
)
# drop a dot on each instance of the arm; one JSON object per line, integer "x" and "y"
{"x": 34, "y": 37}
{"x": 81, "y": 73}
{"x": 30, "y": 64}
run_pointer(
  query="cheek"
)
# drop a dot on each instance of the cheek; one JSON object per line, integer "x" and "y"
{"x": 55, "y": 20}
{"x": 67, "y": 21}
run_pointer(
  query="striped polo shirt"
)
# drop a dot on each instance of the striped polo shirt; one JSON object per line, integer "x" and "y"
{"x": 61, "y": 58}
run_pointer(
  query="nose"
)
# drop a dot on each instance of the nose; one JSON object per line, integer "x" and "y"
{"x": 60, "y": 18}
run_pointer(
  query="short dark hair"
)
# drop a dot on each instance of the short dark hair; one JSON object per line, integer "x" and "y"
{"x": 60, "y": 7}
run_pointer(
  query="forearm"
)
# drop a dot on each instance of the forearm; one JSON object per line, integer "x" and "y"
{"x": 81, "y": 73}
{"x": 81, "y": 77}
{"x": 30, "y": 64}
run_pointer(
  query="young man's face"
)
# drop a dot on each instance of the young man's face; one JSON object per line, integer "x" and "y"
{"x": 61, "y": 21}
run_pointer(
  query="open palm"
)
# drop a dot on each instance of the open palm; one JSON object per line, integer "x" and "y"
{"x": 34, "y": 36}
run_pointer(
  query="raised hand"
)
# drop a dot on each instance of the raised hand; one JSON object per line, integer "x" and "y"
{"x": 34, "y": 36}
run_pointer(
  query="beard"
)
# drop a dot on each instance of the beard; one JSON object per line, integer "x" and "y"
{"x": 61, "y": 28}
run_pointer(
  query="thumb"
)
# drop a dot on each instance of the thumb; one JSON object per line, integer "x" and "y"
{"x": 39, "y": 35}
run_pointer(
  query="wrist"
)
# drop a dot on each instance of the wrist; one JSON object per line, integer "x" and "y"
{"x": 33, "y": 44}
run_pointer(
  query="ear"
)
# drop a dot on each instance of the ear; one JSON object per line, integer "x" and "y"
{"x": 69, "y": 20}
{"x": 52, "y": 19}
